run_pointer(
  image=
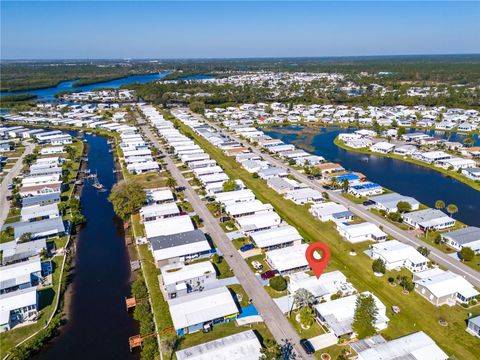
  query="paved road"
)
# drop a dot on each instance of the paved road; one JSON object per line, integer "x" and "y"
{"x": 271, "y": 314}
{"x": 4, "y": 192}
{"x": 358, "y": 209}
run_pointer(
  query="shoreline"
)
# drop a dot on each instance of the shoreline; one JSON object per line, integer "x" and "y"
{"x": 453, "y": 175}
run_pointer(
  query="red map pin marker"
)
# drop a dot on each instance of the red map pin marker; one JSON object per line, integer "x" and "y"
{"x": 317, "y": 265}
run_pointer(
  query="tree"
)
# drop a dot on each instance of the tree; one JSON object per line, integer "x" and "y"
{"x": 303, "y": 298}
{"x": 229, "y": 185}
{"x": 345, "y": 185}
{"x": 467, "y": 254}
{"x": 127, "y": 198}
{"x": 401, "y": 131}
{"x": 404, "y": 206}
{"x": 395, "y": 216}
{"x": 423, "y": 250}
{"x": 366, "y": 312}
{"x": 171, "y": 183}
{"x": 439, "y": 204}
{"x": 25, "y": 237}
{"x": 378, "y": 266}
{"x": 307, "y": 316}
{"x": 278, "y": 283}
{"x": 197, "y": 106}
{"x": 334, "y": 182}
{"x": 452, "y": 209}
{"x": 271, "y": 350}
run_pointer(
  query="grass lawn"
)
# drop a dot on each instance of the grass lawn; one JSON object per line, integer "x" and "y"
{"x": 239, "y": 294}
{"x": 274, "y": 293}
{"x": 47, "y": 298}
{"x": 416, "y": 312}
{"x": 149, "y": 180}
{"x": 312, "y": 331}
{"x": 334, "y": 351}
{"x": 186, "y": 206}
{"x": 159, "y": 305}
{"x": 223, "y": 270}
{"x": 397, "y": 224}
{"x": 261, "y": 259}
{"x": 238, "y": 243}
{"x": 354, "y": 198}
{"x": 138, "y": 228}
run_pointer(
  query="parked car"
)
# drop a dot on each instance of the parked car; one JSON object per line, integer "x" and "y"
{"x": 11, "y": 186}
{"x": 269, "y": 274}
{"x": 257, "y": 265}
{"x": 247, "y": 247}
{"x": 368, "y": 203}
{"x": 307, "y": 346}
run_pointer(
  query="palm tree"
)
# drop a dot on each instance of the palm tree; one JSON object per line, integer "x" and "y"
{"x": 302, "y": 298}
{"x": 452, "y": 209}
{"x": 171, "y": 183}
{"x": 345, "y": 185}
{"x": 334, "y": 182}
{"x": 439, "y": 204}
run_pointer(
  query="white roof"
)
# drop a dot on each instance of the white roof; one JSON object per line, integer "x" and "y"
{"x": 329, "y": 283}
{"x": 259, "y": 221}
{"x": 178, "y": 272}
{"x": 275, "y": 236}
{"x": 288, "y": 258}
{"x": 159, "y": 210}
{"x": 161, "y": 195}
{"x": 393, "y": 251}
{"x": 416, "y": 346}
{"x": 364, "y": 228}
{"x": 234, "y": 196}
{"x": 442, "y": 283}
{"x": 18, "y": 273}
{"x": 382, "y": 145}
{"x": 38, "y": 210}
{"x": 200, "y": 307}
{"x": 168, "y": 226}
{"x": 16, "y": 300}
{"x": 247, "y": 207}
{"x": 241, "y": 346}
{"x": 326, "y": 209}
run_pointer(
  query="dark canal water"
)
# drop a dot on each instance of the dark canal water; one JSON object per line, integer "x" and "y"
{"x": 424, "y": 184}
{"x": 98, "y": 325}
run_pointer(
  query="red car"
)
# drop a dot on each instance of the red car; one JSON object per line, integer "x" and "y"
{"x": 269, "y": 274}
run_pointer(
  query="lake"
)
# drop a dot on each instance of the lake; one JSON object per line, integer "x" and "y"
{"x": 424, "y": 184}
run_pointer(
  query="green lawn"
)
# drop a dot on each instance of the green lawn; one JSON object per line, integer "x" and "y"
{"x": 240, "y": 294}
{"x": 161, "y": 311}
{"x": 354, "y": 198}
{"x": 416, "y": 312}
{"x": 313, "y": 331}
{"x": 138, "y": 228}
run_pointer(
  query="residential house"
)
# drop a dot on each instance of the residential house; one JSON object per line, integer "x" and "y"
{"x": 277, "y": 237}
{"x": 361, "y": 232}
{"x": 466, "y": 237}
{"x": 389, "y": 202}
{"x": 330, "y": 283}
{"x": 288, "y": 259}
{"x": 397, "y": 255}
{"x": 428, "y": 219}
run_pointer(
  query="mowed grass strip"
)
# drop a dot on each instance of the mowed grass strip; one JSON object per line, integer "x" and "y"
{"x": 416, "y": 312}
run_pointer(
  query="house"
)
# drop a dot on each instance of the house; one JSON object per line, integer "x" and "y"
{"x": 416, "y": 346}
{"x": 270, "y": 172}
{"x": 466, "y": 237}
{"x": 168, "y": 226}
{"x": 46, "y": 228}
{"x": 241, "y": 346}
{"x": 304, "y": 196}
{"x": 14, "y": 252}
{"x": 202, "y": 310}
{"x": 252, "y": 223}
{"x": 456, "y": 163}
{"x": 44, "y": 199}
{"x": 338, "y": 314}
{"x": 397, "y": 255}
{"x": 473, "y": 326}
{"x": 405, "y": 150}
{"x": 331, "y": 211}
{"x": 18, "y": 306}
{"x": 329, "y": 168}
{"x": 283, "y": 185}
{"x": 389, "y": 202}
{"x": 39, "y": 212}
{"x": 365, "y": 189}
{"x": 159, "y": 196}
{"x": 233, "y": 197}
{"x": 158, "y": 211}
{"x": 323, "y": 288}
{"x": 361, "y": 232}
{"x": 277, "y": 237}
{"x": 431, "y": 157}
{"x": 20, "y": 275}
{"x": 247, "y": 208}
{"x": 443, "y": 287}
{"x": 179, "y": 279}
{"x": 472, "y": 173}
{"x": 382, "y": 147}
{"x": 143, "y": 167}
{"x": 428, "y": 219}
{"x": 180, "y": 246}
{"x": 288, "y": 259}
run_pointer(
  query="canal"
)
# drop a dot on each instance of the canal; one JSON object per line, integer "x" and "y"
{"x": 424, "y": 184}
{"x": 98, "y": 325}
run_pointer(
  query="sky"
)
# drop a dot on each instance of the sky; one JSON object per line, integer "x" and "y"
{"x": 180, "y": 29}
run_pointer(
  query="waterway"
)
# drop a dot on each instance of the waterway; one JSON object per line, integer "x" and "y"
{"x": 48, "y": 94}
{"x": 424, "y": 184}
{"x": 98, "y": 325}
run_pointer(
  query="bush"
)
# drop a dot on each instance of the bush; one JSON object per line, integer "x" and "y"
{"x": 467, "y": 254}
{"x": 278, "y": 283}
{"x": 391, "y": 280}
{"x": 378, "y": 266}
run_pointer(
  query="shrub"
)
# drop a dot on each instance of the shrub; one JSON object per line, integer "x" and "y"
{"x": 278, "y": 283}
{"x": 378, "y": 266}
